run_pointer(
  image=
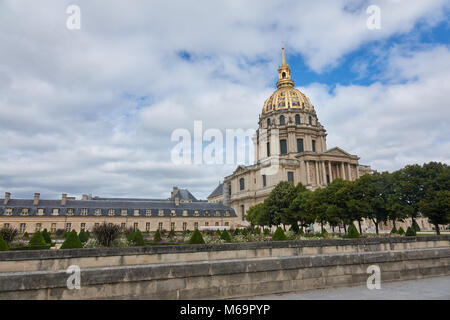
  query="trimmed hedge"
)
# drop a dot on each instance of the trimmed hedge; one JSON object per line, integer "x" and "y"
{"x": 3, "y": 244}
{"x": 157, "y": 236}
{"x": 279, "y": 235}
{"x": 37, "y": 239}
{"x": 137, "y": 239}
{"x": 196, "y": 238}
{"x": 225, "y": 236}
{"x": 410, "y": 232}
{"x": 401, "y": 231}
{"x": 46, "y": 236}
{"x": 84, "y": 236}
{"x": 72, "y": 241}
{"x": 394, "y": 230}
{"x": 352, "y": 232}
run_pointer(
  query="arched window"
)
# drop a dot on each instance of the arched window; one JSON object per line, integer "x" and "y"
{"x": 242, "y": 183}
{"x": 310, "y": 120}
{"x": 268, "y": 122}
{"x": 284, "y": 75}
{"x": 281, "y": 120}
{"x": 297, "y": 119}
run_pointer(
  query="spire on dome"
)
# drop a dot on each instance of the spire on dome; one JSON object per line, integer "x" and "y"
{"x": 284, "y": 72}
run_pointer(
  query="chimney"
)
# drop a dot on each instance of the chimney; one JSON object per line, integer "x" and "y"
{"x": 177, "y": 201}
{"x": 84, "y": 197}
{"x": 36, "y": 199}
{"x": 64, "y": 199}
{"x": 7, "y": 197}
{"x": 174, "y": 192}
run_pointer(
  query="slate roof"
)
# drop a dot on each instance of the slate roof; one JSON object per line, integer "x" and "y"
{"x": 105, "y": 204}
{"x": 184, "y": 194}
{"x": 217, "y": 191}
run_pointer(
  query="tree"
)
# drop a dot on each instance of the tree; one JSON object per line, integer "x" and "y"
{"x": 410, "y": 232}
{"x": 8, "y": 234}
{"x": 278, "y": 203}
{"x": 3, "y": 244}
{"x": 300, "y": 210}
{"x": 196, "y": 238}
{"x": 279, "y": 235}
{"x": 37, "y": 239}
{"x": 157, "y": 236}
{"x": 401, "y": 231}
{"x": 46, "y": 236}
{"x": 138, "y": 239}
{"x": 72, "y": 241}
{"x": 257, "y": 215}
{"x": 436, "y": 207}
{"x": 84, "y": 236}
{"x": 394, "y": 230}
{"x": 106, "y": 233}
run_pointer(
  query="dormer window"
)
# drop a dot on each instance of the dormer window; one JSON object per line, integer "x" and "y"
{"x": 206, "y": 213}
{"x": 196, "y": 213}
{"x": 98, "y": 212}
{"x": 124, "y": 212}
{"x": 148, "y": 212}
{"x": 24, "y": 212}
{"x": 160, "y": 213}
{"x": 172, "y": 213}
{"x": 136, "y": 212}
{"x": 8, "y": 212}
{"x": 40, "y": 212}
{"x": 217, "y": 213}
{"x": 185, "y": 213}
{"x": 70, "y": 212}
{"x": 227, "y": 213}
{"x": 84, "y": 212}
{"x": 55, "y": 212}
{"x": 111, "y": 212}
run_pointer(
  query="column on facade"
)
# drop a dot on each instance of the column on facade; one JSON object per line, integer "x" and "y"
{"x": 357, "y": 172}
{"x": 316, "y": 165}
{"x": 291, "y": 143}
{"x": 329, "y": 171}
{"x": 324, "y": 173}
{"x": 307, "y": 173}
{"x": 349, "y": 172}
{"x": 343, "y": 171}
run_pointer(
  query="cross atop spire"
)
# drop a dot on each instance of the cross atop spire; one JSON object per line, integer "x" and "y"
{"x": 283, "y": 59}
{"x": 284, "y": 72}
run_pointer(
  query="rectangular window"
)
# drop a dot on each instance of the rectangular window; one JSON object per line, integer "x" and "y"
{"x": 184, "y": 226}
{"x": 111, "y": 212}
{"x": 68, "y": 227}
{"x": 195, "y": 225}
{"x": 84, "y": 212}
{"x": 217, "y": 224}
{"x": 227, "y": 223}
{"x": 123, "y": 225}
{"x": 24, "y": 212}
{"x": 241, "y": 183}
{"x": 314, "y": 145}
{"x": 160, "y": 225}
{"x": 124, "y": 212}
{"x": 148, "y": 212}
{"x": 283, "y": 146}
{"x": 160, "y": 213}
{"x": 172, "y": 226}
{"x": 147, "y": 226}
{"x": 55, "y": 212}
{"x": 290, "y": 176}
{"x": 70, "y": 212}
{"x": 38, "y": 227}
{"x": 40, "y": 212}
{"x": 185, "y": 213}
{"x": 299, "y": 145}
{"x": 136, "y": 212}
{"x": 98, "y": 212}
{"x": 53, "y": 228}
{"x": 8, "y": 211}
{"x": 264, "y": 180}
{"x": 268, "y": 149}
{"x": 136, "y": 225}
{"x": 83, "y": 226}
{"x": 6, "y": 225}
{"x": 96, "y": 224}
{"x": 206, "y": 224}
{"x": 23, "y": 228}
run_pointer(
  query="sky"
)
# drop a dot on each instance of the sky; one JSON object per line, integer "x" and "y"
{"x": 92, "y": 110}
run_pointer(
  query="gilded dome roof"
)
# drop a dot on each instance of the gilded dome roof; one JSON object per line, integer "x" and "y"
{"x": 287, "y": 98}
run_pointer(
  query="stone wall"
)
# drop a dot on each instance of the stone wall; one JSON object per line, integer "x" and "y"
{"x": 219, "y": 271}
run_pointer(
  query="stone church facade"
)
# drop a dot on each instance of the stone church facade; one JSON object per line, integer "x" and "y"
{"x": 290, "y": 145}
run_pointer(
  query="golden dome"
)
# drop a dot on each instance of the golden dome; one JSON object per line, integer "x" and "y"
{"x": 286, "y": 97}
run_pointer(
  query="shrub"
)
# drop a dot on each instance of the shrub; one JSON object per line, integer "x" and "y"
{"x": 394, "y": 230}
{"x": 257, "y": 231}
{"x": 59, "y": 232}
{"x": 72, "y": 241}
{"x": 410, "y": 232}
{"x": 84, "y": 236}
{"x": 46, "y": 236}
{"x": 244, "y": 232}
{"x": 352, "y": 232}
{"x": 138, "y": 239}
{"x": 266, "y": 232}
{"x": 26, "y": 235}
{"x": 8, "y": 234}
{"x": 218, "y": 233}
{"x": 196, "y": 238}
{"x": 415, "y": 226}
{"x": 236, "y": 232}
{"x": 300, "y": 231}
{"x": 129, "y": 233}
{"x": 401, "y": 231}
{"x": 171, "y": 234}
{"x": 294, "y": 228}
{"x": 157, "y": 236}
{"x": 279, "y": 235}
{"x": 3, "y": 244}
{"x": 37, "y": 239}
{"x": 106, "y": 233}
{"x": 226, "y": 236}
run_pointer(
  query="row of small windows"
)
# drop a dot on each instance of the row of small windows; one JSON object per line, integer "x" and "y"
{"x": 68, "y": 226}
{"x": 282, "y": 120}
{"x": 264, "y": 179}
{"x": 113, "y": 212}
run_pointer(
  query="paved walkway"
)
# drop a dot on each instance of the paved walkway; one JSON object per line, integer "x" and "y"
{"x": 423, "y": 289}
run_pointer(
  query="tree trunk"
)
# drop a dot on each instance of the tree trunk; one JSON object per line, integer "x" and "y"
{"x": 360, "y": 229}
{"x": 345, "y": 228}
{"x": 321, "y": 226}
{"x": 376, "y": 227}
{"x": 332, "y": 228}
{"x": 393, "y": 222}
{"x": 436, "y": 226}
{"x": 339, "y": 229}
